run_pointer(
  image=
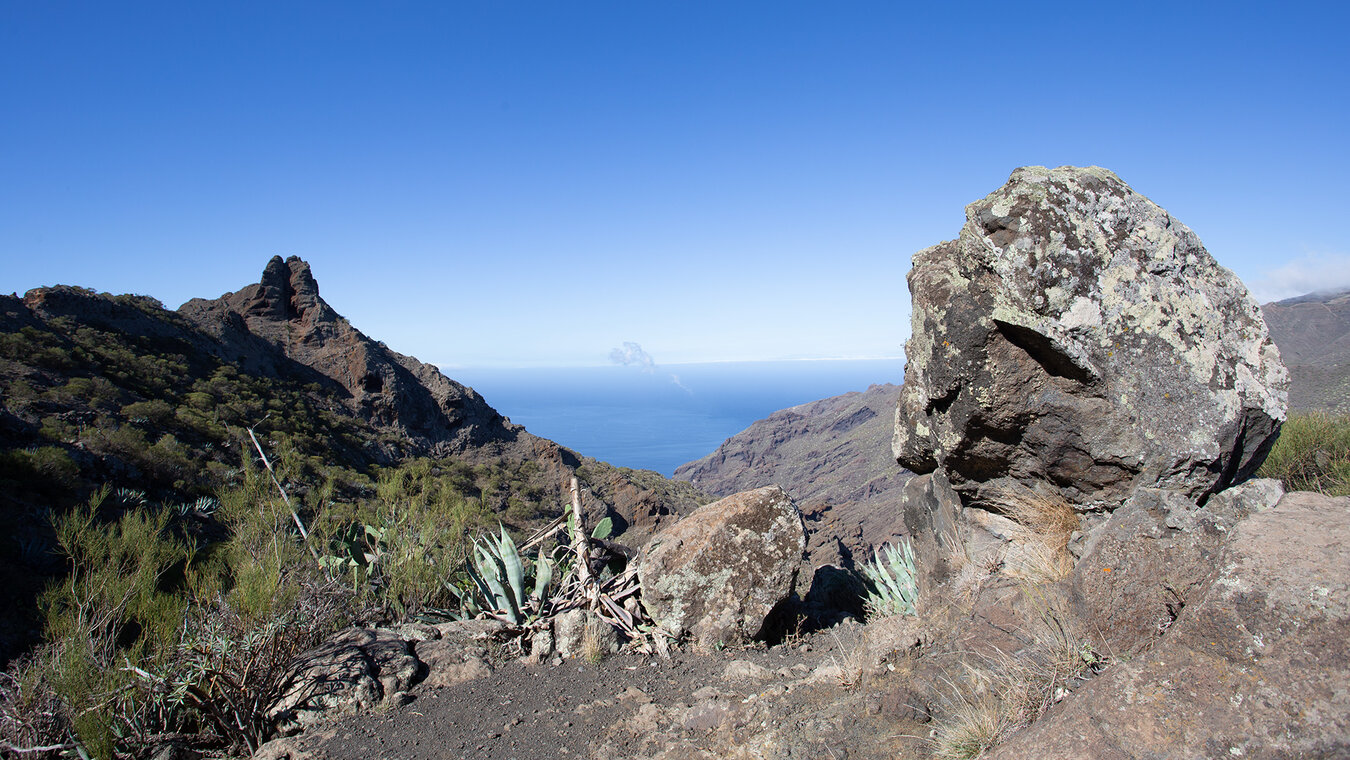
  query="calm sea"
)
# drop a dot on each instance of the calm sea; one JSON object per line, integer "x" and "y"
{"x": 676, "y": 413}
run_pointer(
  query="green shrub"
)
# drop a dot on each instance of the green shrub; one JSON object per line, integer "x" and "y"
{"x": 154, "y": 413}
{"x": 53, "y": 428}
{"x": 111, "y": 610}
{"x": 1312, "y": 454}
{"x": 46, "y": 469}
{"x": 399, "y": 551}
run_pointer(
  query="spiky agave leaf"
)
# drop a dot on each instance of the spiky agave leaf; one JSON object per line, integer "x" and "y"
{"x": 543, "y": 575}
{"x": 514, "y": 568}
{"x": 492, "y": 571}
{"x": 892, "y": 575}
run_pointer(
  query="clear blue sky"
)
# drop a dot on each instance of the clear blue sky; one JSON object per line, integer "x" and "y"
{"x": 511, "y": 183}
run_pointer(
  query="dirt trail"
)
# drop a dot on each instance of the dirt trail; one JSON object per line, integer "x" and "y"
{"x": 813, "y": 698}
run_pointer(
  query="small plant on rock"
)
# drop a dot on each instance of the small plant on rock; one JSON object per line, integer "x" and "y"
{"x": 1046, "y": 522}
{"x": 893, "y": 588}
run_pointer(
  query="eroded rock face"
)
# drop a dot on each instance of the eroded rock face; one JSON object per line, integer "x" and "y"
{"x": 285, "y": 310}
{"x": 1153, "y": 555}
{"x": 357, "y": 669}
{"x": 1078, "y": 335}
{"x": 718, "y": 573}
{"x": 1255, "y": 665}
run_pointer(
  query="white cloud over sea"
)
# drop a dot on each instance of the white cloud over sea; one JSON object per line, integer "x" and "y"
{"x": 1312, "y": 273}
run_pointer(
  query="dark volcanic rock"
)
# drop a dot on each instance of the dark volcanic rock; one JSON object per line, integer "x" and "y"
{"x": 833, "y": 459}
{"x": 1313, "y": 333}
{"x": 387, "y": 388}
{"x": 719, "y": 572}
{"x": 1076, "y": 334}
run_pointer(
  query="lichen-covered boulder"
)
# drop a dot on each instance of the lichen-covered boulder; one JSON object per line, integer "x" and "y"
{"x": 718, "y": 573}
{"x": 1076, "y": 334}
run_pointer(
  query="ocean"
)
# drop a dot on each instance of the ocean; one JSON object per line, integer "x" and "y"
{"x": 658, "y": 419}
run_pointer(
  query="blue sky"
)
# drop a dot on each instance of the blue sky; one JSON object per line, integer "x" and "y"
{"x": 512, "y": 184}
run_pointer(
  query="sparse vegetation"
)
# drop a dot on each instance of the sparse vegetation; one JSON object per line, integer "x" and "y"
{"x": 593, "y": 647}
{"x": 1009, "y": 691}
{"x": 970, "y": 726}
{"x": 1312, "y": 454}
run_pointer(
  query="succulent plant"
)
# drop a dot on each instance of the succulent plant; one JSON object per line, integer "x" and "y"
{"x": 892, "y": 585}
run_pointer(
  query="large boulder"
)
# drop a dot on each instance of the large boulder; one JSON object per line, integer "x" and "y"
{"x": 1077, "y": 335}
{"x": 1255, "y": 664}
{"x": 718, "y": 573}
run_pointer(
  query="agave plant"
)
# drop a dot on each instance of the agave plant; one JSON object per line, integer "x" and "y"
{"x": 891, "y": 579}
{"x": 499, "y": 577}
{"x": 358, "y": 549}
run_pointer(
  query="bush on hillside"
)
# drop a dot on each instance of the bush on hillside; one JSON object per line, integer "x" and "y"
{"x": 1312, "y": 454}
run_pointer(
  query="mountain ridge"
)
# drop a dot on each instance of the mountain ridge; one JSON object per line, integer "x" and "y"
{"x": 1312, "y": 332}
{"x": 100, "y": 389}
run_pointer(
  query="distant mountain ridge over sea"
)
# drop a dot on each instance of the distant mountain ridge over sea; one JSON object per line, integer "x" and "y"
{"x": 648, "y": 421}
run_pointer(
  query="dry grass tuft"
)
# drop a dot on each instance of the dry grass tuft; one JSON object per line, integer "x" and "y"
{"x": 1009, "y": 691}
{"x": 851, "y": 663}
{"x": 1047, "y": 522}
{"x": 593, "y": 644}
{"x": 970, "y": 727}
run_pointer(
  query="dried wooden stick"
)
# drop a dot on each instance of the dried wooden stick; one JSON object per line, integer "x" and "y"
{"x": 294, "y": 515}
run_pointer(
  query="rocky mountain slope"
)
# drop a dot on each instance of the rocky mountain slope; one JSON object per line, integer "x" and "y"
{"x": 361, "y": 403}
{"x": 1313, "y": 333}
{"x": 99, "y": 389}
{"x": 1075, "y": 595}
{"x": 832, "y": 457}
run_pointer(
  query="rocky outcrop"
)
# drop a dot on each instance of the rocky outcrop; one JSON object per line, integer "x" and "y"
{"x": 718, "y": 573}
{"x": 388, "y": 389}
{"x": 282, "y": 325}
{"x": 1254, "y": 664}
{"x": 1138, "y": 570}
{"x": 1075, "y": 334}
{"x": 1091, "y": 393}
{"x": 357, "y": 669}
{"x": 1313, "y": 333}
{"x": 831, "y": 456}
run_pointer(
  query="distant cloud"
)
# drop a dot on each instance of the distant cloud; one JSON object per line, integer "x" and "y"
{"x": 1310, "y": 274}
{"x": 632, "y": 355}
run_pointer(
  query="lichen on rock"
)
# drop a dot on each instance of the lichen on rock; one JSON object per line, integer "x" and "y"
{"x": 718, "y": 573}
